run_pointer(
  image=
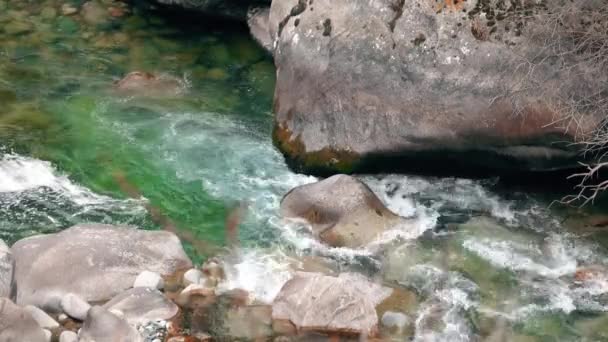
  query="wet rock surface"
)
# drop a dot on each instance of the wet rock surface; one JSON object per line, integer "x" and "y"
{"x": 343, "y": 304}
{"x": 410, "y": 87}
{"x": 94, "y": 262}
{"x": 342, "y": 210}
{"x": 141, "y": 305}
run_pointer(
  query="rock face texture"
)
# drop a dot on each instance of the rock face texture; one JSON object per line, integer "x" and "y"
{"x": 412, "y": 85}
{"x": 7, "y": 270}
{"x": 342, "y": 210}
{"x": 94, "y": 261}
{"x": 16, "y": 324}
{"x": 316, "y": 302}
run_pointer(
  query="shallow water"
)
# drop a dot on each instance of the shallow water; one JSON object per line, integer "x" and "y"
{"x": 482, "y": 258}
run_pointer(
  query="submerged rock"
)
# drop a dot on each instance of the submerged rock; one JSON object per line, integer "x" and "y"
{"x": 104, "y": 326}
{"x": 409, "y": 86}
{"x": 140, "y": 305}
{"x": 342, "y": 210}
{"x": 146, "y": 84}
{"x": 343, "y": 304}
{"x": 7, "y": 270}
{"x": 17, "y": 324}
{"x": 92, "y": 261}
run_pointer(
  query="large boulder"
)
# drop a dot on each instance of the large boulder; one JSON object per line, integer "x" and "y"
{"x": 342, "y": 211}
{"x": 17, "y": 324}
{"x": 417, "y": 86}
{"x": 7, "y": 270}
{"x": 316, "y": 302}
{"x": 92, "y": 261}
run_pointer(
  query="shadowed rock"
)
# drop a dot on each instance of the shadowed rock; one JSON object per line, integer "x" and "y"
{"x": 342, "y": 210}
{"x": 92, "y": 261}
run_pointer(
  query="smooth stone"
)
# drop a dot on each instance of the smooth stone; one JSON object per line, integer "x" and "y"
{"x": 62, "y": 318}
{"x": 42, "y": 318}
{"x": 7, "y": 271}
{"x": 94, "y": 13}
{"x": 149, "y": 279}
{"x": 192, "y": 276}
{"x": 141, "y": 305}
{"x": 93, "y": 261}
{"x": 395, "y": 320}
{"x": 74, "y": 306}
{"x": 68, "y": 336}
{"x": 103, "y": 326}
{"x": 67, "y": 9}
{"x": 342, "y": 210}
{"x": 310, "y": 302}
{"x": 17, "y": 324}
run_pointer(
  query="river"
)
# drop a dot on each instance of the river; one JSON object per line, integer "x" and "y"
{"x": 483, "y": 258}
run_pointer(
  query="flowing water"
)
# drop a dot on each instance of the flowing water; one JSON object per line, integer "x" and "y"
{"x": 487, "y": 263}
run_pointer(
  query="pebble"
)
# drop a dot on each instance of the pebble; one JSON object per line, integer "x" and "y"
{"x": 149, "y": 279}
{"x": 67, "y": 9}
{"x": 41, "y": 317}
{"x": 75, "y": 306}
{"x": 192, "y": 276}
{"x": 68, "y": 336}
{"x": 62, "y": 318}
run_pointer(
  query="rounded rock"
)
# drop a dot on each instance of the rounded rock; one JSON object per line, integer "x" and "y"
{"x": 74, "y": 306}
{"x": 149, "y": 279}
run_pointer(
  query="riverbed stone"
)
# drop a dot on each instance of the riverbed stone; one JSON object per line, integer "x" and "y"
{"x": 342, "y": 211}
{"x": 149, "y": 279}
{"x": 309, "y": 301}
{"x": 42, "y": 318}
{"x": 192, "y": 276}
{"x": 94, "y": 13}
{"x": 104, "y": 326}
{"x": 93, "y": 261}
{"x": 74, "y": 306}
{"x": 7, "y": 270}
{"x": 410, "y": 86}
{"x": 17, "y": 324}
{"x": 145, "y": 84}
{"x": 68, "y": 336}
{"x": 140, "y": 305}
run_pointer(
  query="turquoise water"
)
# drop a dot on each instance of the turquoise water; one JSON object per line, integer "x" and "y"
{"x": 72, "y": 145}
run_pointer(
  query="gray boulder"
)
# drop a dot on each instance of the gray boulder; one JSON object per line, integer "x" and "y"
{"x": 316, "y": 302}
{"x": 104, "y": 326}
{"x": 94, "y": 262}
{"x": 342, "y": 210}
{"x": 140, "y": 305}
{"x": 7, "y": 270}
{"x": 413, "y": 86}
{"x": 17, "y": 325}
